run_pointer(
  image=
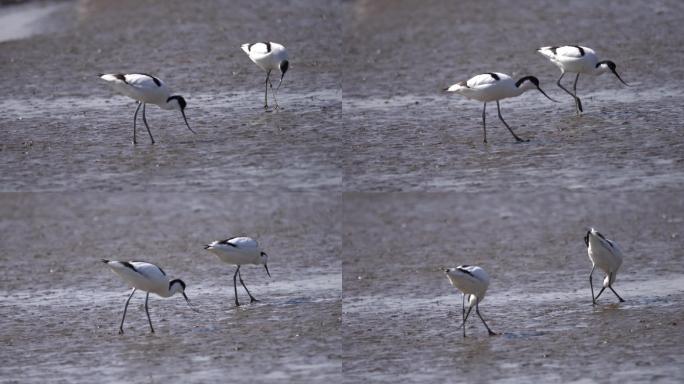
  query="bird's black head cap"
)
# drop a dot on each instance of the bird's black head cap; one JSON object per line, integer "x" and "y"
{"x": 179, "y": 281}
{"x": 609, "y": 63}
{"x": 180, "y": 99}
{"x": 531, "y": 79}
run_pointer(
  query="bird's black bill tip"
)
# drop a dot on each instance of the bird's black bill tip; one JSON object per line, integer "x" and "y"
{"x": 189, "y": 303}
{"x": 547, "y": 96}
{"x": 267, "y": 272}
{"x": 207, "y": 246}
{"x": 186, "y": 122}
{"x": 620, "y": 78}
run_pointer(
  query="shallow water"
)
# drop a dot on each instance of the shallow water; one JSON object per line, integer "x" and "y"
{"x": 59, "y": 106}
{"x": 395, "y": 293}
{"x": 367, "y": 182}
{"x": 62, "y": 307}
{"x": 406, "y": 134}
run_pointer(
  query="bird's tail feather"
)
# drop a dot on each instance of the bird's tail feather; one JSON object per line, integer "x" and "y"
{"x": 456, "y": 87}
{"x": 105, "y": 261}
{"x": 546, "y": 51}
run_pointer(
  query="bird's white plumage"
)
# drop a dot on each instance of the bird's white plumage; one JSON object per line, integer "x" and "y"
{"x": 486, "y": 80}
{"x": 237, "y": 251}
{"x": 141, "y": 87}
{"x": 267, "y": 56}
{"x": 471, "y": 280}
{"x": 489, "y": 87}
{"x": 144, "y": 276}
{"x": 605, "y": 254}
{"x": 571, "y": 58}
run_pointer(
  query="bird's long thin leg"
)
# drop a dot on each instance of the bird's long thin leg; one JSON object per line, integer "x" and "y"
{"x": 484, "y": 124}
{"x": 591, "y": 285}
{"x": 147, "y": 126}
{"x": 574, "y": 90}
{"x": 121, "y": 331}
{"x": 251, "y": 298}
{"x": 135, "y": 119}
{"x": 463, "y": 307}
{"x": 274, "y": 94}
{"x": 477, "y": 310}
{"x": 268, "y": 74}
{"x": 611, "y": 288}
{"x": 498, "y": 108}
{"x": 464, "y": 320}
{"x": 578, "y": 103}
{"x": 463, "y": 313}
{"x": 237, "y": 303}
{"x": 599, "y": 294}
{"x": 147, "y": 297}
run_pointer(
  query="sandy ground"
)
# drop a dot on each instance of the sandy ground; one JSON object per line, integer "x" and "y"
{"x": 366, "y": 183}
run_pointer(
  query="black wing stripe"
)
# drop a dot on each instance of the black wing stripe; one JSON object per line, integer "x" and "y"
{"x": 156, "y": 81}
{"x": 121, "y": 77}
{"x": 129, "y": 265}
{"x": 581, "y": 50}
{"x": 226, "y": 242}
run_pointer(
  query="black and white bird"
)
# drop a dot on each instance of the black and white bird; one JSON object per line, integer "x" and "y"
{"x": 269, "y": 56}
{"x": 239, "y": 251}
{"x": 146, "y": 277}
{"x": 146, "y": 89}
{"x": 472, "y": 281}
{"x": 607, "y": 256}
{"x": 495, "y": 86}
{"x": 579, "y": 60}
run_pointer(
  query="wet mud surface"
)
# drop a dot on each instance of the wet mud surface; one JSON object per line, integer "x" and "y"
{"x": 58, "y": 105}
{"x": 61, "y": 306}
{"x": 367, "y": 182}
{"x": 406, "y": 134}
{"x": 401, "y": 315}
